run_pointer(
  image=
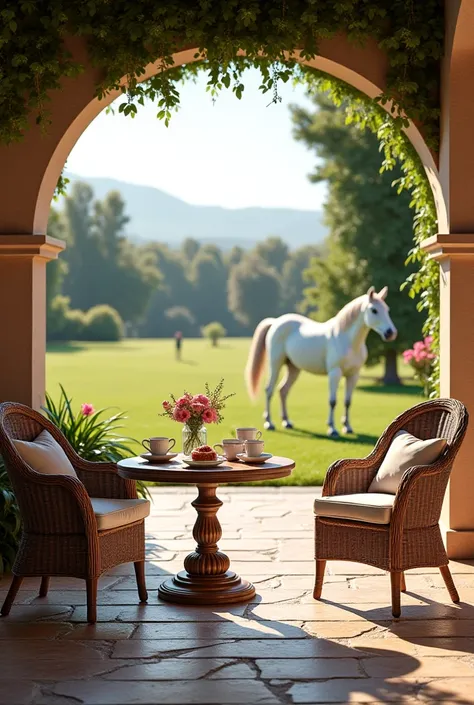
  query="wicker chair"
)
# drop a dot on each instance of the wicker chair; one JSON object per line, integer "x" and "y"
{"x": 60, "y": 535}
{"x": 412, "y": 539}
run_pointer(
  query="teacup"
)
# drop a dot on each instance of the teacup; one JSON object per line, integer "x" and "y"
{"x": 254, "y": 448}
{"x": 158, "y": 445}
{"x": 230, "y": 447}
{"x": 248, "y": 433}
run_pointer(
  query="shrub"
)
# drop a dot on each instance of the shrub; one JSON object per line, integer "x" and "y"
{"x": 421, "y": 359}
{"x": 64, "y": 323}
{"x": 10, "y": 524}
{"x": 214, "y": 332}
{"x": 92, "y": 436}
{"x": 103, "y": 323}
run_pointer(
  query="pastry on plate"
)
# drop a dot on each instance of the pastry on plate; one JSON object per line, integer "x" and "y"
{"x": 204, "y": 453}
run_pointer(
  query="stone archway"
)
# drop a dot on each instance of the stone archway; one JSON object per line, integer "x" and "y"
{"x": 30, "y": 170}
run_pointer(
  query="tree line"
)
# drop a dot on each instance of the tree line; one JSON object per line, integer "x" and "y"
{"x": 155, "y": 289}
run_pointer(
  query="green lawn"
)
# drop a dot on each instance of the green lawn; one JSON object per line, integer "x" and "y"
{"x": 136, "y": 375}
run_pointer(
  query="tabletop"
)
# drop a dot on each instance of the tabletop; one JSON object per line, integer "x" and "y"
{"x": 230, "y": 471}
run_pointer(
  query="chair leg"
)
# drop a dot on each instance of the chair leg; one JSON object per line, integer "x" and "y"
{"x": 44, "y": 586}
{"x": 318, "y": 584}
{"x": 448, "y": 581}
{"x": 403, "y": 585}
{"x": 91, "y": 586}
{"x": 395, "y": 580}
{"x": 14, "y": 587}
{"x": 141, "y": 584}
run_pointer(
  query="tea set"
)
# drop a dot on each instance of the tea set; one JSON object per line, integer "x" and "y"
{"x": 247, "y": 447}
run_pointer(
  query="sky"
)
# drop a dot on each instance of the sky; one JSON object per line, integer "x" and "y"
{"x": 228, "y": 153}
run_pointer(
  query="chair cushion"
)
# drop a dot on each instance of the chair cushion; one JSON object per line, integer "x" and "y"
{"x": 371, "y": 508}
{"x": 405, "y": 451}
{"x": 45, "y": 455}
{"x": 110, "y": 513}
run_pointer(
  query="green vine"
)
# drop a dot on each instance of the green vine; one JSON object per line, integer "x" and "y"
{"x": 124, "y": 37}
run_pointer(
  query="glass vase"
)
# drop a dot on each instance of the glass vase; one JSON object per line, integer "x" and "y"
{"x": 193, "y": 438}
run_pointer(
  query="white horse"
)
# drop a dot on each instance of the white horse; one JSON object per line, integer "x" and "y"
{"x": 336, "y": 348}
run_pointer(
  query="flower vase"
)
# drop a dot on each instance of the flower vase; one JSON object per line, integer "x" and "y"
{"x": 193, "y": 438}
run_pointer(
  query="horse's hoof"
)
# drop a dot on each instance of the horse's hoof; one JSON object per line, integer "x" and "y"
{"x": 268, "y": 426}
{"x": 347, "y": 430}
{"x": 286, "y": 424}
{"x": 332, "y": 433}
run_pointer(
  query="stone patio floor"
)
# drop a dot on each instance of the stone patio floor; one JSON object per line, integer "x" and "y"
{"x": 281, "y": 648}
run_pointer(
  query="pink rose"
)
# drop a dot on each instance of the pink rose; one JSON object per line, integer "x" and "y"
{"x": 428, "y": 340}
{"x": 166, "y": 405}
{"x": 181, "y": 415}
{"x": 201, "y": 399}
{"x": 419, "y": 345}
{"x": 209, "y": 416}
{"x": 197, "y": 408}
{"x": 87, "y": 409}
{"x": 408, "y": 355}
{"x": 182, "y": 401}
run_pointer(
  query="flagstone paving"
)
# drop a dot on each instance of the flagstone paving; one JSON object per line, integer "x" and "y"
{"x": 281, "y": 648}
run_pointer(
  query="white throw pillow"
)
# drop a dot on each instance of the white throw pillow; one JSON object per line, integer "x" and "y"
{"x": 45, "y": 455}
{"x": 405, "y": 451}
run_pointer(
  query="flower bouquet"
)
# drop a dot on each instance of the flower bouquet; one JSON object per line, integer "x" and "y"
{"x": 194, "y": 411}
{"x": 420, "y": 358}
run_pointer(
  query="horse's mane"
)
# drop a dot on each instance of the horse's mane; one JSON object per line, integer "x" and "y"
{"x": 347, "y": 315}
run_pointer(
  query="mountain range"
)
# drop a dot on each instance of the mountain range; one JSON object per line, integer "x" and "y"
{"x": 158, "y": 216}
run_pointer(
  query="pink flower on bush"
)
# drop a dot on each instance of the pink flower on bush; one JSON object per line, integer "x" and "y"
{"x": 420, "y": 358}
{"x": 201, "y": 399}
{"x": 181, "y": 414}
{"x": 209, "y": 416}
{"x": 87, "y": 409}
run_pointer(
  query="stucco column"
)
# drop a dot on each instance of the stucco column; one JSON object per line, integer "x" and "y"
{"x": 23, "y": 260}
{"x": 455, "y": 254}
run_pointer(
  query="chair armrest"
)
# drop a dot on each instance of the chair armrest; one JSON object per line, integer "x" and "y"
{"x": 349, "y": 476}
{"x": 103, "y": 480}
{"x": 420, "y": 495}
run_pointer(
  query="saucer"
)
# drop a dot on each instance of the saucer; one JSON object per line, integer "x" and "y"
{"x": 158, "y": 458}
{"x": 256, "y": 460}
{"x": 203, "y": 463}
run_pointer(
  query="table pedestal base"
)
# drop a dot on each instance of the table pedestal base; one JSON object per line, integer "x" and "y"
{"x": 220, "y": 589}
{"x": 206, "y": 579}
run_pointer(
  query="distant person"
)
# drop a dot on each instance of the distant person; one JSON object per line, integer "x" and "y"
{"x": 178, "y": 339}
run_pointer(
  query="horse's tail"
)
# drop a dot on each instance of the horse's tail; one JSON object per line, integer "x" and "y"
{"x": 256, "y": 358}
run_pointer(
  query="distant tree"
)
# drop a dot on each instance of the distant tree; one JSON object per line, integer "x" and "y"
{"x": 56, "y": 269}
{"x": 235, "y": 256}
{"x": 254, "y": 291}
{"x": 294, "y": 281}
{"x": 273, "y": 251}
{"x": 371, "y": 226}
{"x": 208, "y": 276}
{"x": 190, "y": 248}
{"x": 214, "y": 332}
{"x": 110, "y": 221}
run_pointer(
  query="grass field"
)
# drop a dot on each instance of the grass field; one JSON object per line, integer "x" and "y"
{"x": 136, "y": 375}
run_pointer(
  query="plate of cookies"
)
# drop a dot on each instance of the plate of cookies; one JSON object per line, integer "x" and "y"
{"x": 203, "y": 457}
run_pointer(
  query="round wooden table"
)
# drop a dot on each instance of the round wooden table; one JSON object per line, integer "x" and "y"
{"x": 206, "y": 578}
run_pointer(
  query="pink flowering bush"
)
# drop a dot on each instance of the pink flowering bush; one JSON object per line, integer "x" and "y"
{"x": 420, "y": 358}
{"x": 197, "y": 410}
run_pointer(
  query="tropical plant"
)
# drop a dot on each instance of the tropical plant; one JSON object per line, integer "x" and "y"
{"x": 93, "y": 436}
{"x": 10, "y": 523}
{"x": 214, "y": 332}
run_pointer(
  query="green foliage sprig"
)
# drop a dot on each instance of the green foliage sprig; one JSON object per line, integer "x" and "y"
{"x": 123, "y": 38}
